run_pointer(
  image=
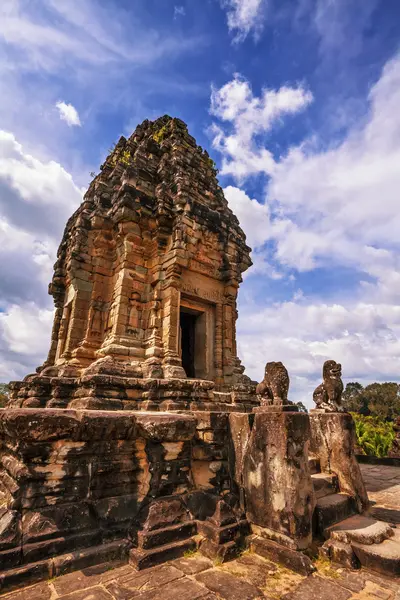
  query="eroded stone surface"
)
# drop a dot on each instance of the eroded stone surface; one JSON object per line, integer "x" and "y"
{"x": 249, "y": 576}
{"x": 152, "y": 252}
{"x": 328, "y": 395}
{"x": 229, "y": 587}
{"x": 276, "y": 475}
{"x": 332, "y": 441}
{"x": 274, "y": 388}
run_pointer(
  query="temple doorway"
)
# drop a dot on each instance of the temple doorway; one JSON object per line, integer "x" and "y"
{"x": 188, "y": 341}
{"x": 196, "y": 338}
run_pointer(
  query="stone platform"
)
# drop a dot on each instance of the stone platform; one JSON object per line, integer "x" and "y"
{"x": 383, "y": 485}
{"x": 249, "y": 577}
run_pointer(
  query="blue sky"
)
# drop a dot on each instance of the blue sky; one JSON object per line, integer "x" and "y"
{"x": 298, "y": 103}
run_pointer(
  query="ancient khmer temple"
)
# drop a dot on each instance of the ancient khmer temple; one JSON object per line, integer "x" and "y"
{"x": 140, "y": 438}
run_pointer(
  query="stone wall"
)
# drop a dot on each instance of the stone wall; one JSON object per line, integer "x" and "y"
{"x": 73, "y": 479}
{"x": 98, "y": 391}
{"x": 76, "y": 479}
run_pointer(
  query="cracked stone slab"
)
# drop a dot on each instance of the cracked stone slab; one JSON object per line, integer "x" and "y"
{"x": 229, "y": 587}
{"x": 361, "y": 529}
{"x": 318, "y": 588}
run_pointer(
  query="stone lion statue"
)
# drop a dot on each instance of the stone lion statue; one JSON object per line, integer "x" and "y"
{"x": 274, "y": 388}
{"x": 328, "y": 395}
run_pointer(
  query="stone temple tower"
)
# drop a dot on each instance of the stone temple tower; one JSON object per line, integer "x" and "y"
{"x": 147, "y": 274}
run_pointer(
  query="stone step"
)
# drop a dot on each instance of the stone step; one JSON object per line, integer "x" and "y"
{"x": 220, "y": 535}
{"x": 360, "y": 529}
{"x": 324, "y": 484}
{"x": 221, "y": 552}
{"x": 141, "y": 558}
{"x": 166, "y": 535}
{"x": 313, "y": 462}
{"x": 292, "y": 559}
{"x": 332, "y": 509}
{"x": 383, "y": 558}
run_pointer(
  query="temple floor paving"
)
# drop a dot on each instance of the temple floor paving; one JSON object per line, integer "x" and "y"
{"x": 249, "y": 577}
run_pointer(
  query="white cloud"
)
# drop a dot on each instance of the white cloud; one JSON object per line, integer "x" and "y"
{"x": 36, "y": 199}
{"x": 26, "y": 329}
{"x": 81, "y": 49}
{"x": 253, "y": 216}
{"x": 329, "y": 207}
{"x": 69, "y": 114}
{"x": 247, "y": 117}
{"x": 365, "y": 338}
{"x": 338, "y": 204}
{"x": 244, "y": 17}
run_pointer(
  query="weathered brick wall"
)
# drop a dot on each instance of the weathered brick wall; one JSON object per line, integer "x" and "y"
{"x": 74, "y": 479}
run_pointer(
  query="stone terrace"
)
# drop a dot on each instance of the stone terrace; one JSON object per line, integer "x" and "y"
{"x": 383, "y": 484}
{"x": 249, "y": 577}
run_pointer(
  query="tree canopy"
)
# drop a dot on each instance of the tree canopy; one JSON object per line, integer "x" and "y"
{"x": 380, "y": 400}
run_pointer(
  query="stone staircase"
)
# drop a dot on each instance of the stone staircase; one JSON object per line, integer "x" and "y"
{"x": 351, "y": 539}
{"x": 160, "y": 545}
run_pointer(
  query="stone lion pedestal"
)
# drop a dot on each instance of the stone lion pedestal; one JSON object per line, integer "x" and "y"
{"x": 276, "y": 478}
{"x": 332, "y": 442}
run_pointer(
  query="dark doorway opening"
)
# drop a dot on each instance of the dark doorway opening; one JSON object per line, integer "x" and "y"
{"x": 188, "y": 336}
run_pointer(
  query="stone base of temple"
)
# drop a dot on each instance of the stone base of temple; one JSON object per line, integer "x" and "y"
{"x": 78, "y": 485}
{"x": 276, "y": 408}
{"x": 99, "y": 391}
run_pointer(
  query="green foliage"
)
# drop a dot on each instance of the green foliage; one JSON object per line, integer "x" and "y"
{"x": 210, "y": 163}
{"x": 160, "y": 135}
{"x": 3, "y": 394}
{"x": 352, "y": 398}
{"x": 383, "y": 400}
{"x": 125, "y": 158}
{"x": 374, "y": 436}
{"x": 377, "y": 399}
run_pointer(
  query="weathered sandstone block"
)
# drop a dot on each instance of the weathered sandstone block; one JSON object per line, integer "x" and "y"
{"x": 332, "y": 441}
{"x": 277, "y": 481}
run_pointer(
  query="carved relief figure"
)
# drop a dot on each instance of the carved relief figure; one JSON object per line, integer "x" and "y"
{"x": 111, "y": 318}
{"x": 96, "y": 320}
{"x": 274, "y": 388}
{"x": 154, "y": 315}
{"x": 178, "y": 241}
{"x": 135, "y": 314}
{"x": 328, "y": 395}
{"x": 64, "y": 328}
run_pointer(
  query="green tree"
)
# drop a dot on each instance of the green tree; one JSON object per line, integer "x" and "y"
{"x": 376, "y": 399}
{"x": 301, "y": 406}
{"x": 383, "y": 400}
{"x": 353, "y": 399}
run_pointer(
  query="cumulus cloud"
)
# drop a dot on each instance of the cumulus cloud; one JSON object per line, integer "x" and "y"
{"x": 245, "y": 117}
{"x": 337, "y": 204}
{"x": 55, "y": 50}
{"x": 69, "y": 114}
{"x": 244, "y": 17}
{"x": 36, "y": 199}
{"x": 325, "y": 207}
{"x": 253, "y": 216}
{"x": 302, "y": 333}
